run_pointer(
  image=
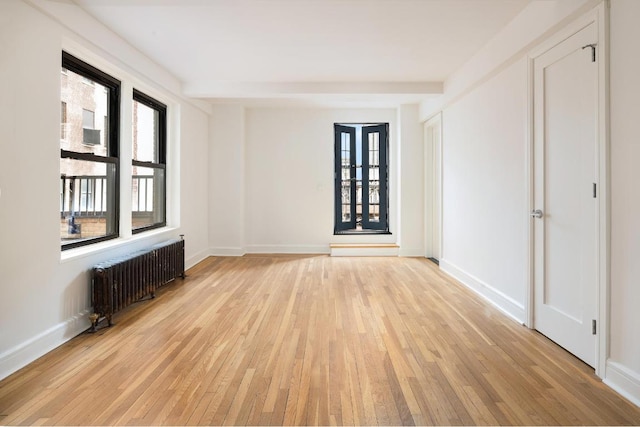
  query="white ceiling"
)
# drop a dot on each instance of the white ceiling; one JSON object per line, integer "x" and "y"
{"x": 291, "y": 50}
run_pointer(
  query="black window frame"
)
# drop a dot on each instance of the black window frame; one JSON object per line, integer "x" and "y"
{"x": 71, "y": 63}
{"x": 368, "y": 227}
{"x": 161, "y": 163}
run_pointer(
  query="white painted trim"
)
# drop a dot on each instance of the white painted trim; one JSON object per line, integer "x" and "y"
{"x": 287, "y": 249}
{"x": 228, "y": 89}
{"x": 433, "y": 194}
{"x": 623, "y": 380}
{"x": 604, "y": 128}
{"x": 441, "y": 221}
{"x": 150, "y": 237}
{"x": 502, "y": 302}
{"x": 226, "y": 251}
{"x": 579, "y": 24}
{"x": 529, "y": 196}
{"x": 26, "y": 352}
{"x": 411, "y": 252}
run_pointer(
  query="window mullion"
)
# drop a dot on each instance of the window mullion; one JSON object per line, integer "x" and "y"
{"x": 365, "y": 180}
{"x": 126, "y": 134}
{"x": 354, "y": 179}
{"x": 65, "y": 154}
{"x": 148, "y": 164}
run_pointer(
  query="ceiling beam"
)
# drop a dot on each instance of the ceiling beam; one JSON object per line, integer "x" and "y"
{"x": 276, "y": 90}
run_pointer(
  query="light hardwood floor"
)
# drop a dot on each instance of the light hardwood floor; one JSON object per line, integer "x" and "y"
{"x": 311, "y": 340}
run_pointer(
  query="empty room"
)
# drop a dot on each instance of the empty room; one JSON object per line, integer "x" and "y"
{"x": 319, "y": 212}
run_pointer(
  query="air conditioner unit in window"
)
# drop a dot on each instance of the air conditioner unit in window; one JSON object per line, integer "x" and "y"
{"x": 90, "y": 136}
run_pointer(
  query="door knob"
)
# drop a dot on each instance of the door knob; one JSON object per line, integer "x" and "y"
{"x": 537, "y": 213}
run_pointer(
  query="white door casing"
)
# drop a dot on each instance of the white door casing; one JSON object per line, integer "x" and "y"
{"x": 565, "y": 170}
{"x": 433, "y": 187}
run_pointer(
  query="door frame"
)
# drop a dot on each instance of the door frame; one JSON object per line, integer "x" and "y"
{"x": 600, "y": 17}
{"x": 433, "y": 187}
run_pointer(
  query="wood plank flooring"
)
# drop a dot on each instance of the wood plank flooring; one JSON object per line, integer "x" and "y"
{"x": 306, "y": 340}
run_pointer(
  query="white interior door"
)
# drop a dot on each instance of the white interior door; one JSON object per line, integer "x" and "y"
{"x": 565, "y": 194}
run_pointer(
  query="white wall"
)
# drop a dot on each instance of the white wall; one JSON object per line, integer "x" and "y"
{"x": 289, "y": 178}
{"x": 271, "y": 179}
{"x": 45, "y": 300}
{"x": 411, "y": 199}
{"x": 227, "y": 181}
{"x": 623, "y": 369}
{"x": 484, "y": 182}
{"x": 193, "y": 198}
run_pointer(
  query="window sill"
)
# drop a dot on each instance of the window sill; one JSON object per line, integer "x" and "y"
{"x": 89, "y": 250}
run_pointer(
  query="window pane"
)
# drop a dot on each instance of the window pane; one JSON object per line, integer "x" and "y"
{"x": 145, "y": 133}
{"x": 374, "y": 199}
{"x": 374, "y": 149}
{"x": 87, "y": 194}
{"x": 374, "y": 213}
{"x": 346, "y": 213}
{"x": 82, "y": 101}
{"x": 63, "y": 120}
{"x": 358, "y": 202}
{"x": 147, "y": 197}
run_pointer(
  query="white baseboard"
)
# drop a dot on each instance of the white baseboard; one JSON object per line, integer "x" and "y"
{"x": 411, "y": 252}
{"x": 623, "y": 380}
{"x": 287, "y": 249}
{"x": 21, "y": 355}
{"x": 196, "y": 258}
{"x": 502, "y": 302}
{"x": 226, "y": 251}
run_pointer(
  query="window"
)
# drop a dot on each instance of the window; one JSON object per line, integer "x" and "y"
{"x": 90, "y": 135}
{"x": 148, "y": 204}
{"x": 88, "y": 119}
{"x": 361, "y": 171}
{"x": 88, "y": 154}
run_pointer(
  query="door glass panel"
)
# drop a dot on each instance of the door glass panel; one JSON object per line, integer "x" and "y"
{"x": 358, "y": 177}
{"x": 374, "y": 176}
{"x": 345, "y": 146}
{"x": 346, "y": 212}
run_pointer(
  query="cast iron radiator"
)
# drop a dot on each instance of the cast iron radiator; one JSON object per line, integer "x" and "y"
{"x": 121, "y": 281}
